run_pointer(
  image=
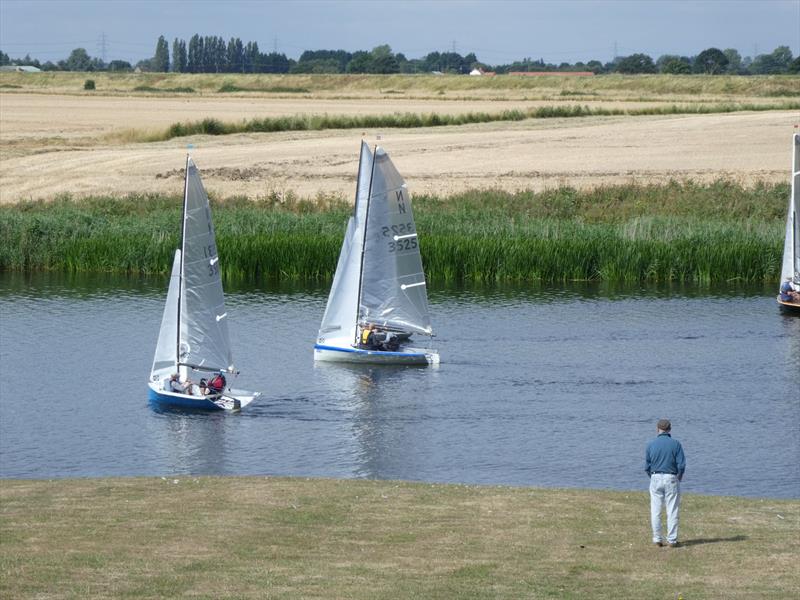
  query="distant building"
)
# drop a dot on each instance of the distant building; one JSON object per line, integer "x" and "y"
{"x": 20, "y": 69}
{"x": 479, "y": 72}
{"x": 557, "y": 73}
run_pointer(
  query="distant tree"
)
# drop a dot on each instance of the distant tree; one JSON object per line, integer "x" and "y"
{"x": 711, "y": 61}
{"x": 673, "y": 64}
{"x": 360, "y": 63}
{"x": 194, "y": 55}
{"x": 734, "y": 61}
{"x": 274, "y": 62}
{"x": 179, "y": 56}
{"x": 341, "y": 57}
{"x": 234, "y": 56}
{"x": 595, "y": 66}
{"x": 119, "y": 66}
{"x": 794, "y": 67}
{"x": 4, "y": 59}
{"x": 160, "y": 62}
{"x": 777, "y": 62}
{"x": 635, "y": 63}
{"x": 49, "y": 66}
{"x": 79, "y": 60}
{"x": 383, "y": 60}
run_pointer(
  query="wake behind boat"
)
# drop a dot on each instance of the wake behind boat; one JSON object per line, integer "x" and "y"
{"x": 194, "y": 328}
{"x": 789, "y": 293}
{"x": 378, "y": 298}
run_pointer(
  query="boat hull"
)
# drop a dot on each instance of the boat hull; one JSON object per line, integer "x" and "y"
{"x": 406, "y": 356}
{"x": 789, "y": 307}
{"x": 233, "y": 399}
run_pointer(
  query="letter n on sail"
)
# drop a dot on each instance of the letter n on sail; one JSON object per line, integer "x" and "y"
{"x": 401, "y": 202}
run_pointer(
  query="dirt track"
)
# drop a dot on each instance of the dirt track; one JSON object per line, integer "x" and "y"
{"x": 532, "y": 154}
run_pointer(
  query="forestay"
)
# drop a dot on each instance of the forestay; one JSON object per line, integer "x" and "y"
{"x": 393, "y": 290}
{"x": 340, "y": 316}
{"x": 203, "y": 339}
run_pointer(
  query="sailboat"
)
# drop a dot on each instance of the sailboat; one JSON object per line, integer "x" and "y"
{"x": 194, "y": 328}
{"x": 379, "y": 282}
{"x": 790, "y": 270}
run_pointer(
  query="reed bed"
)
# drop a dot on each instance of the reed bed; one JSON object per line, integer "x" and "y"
{"x": 680, "y": 232}
{"x": 211, "y": 126}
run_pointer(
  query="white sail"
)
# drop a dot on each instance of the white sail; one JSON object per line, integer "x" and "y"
{"x": 339, "y": 321}
{"x": 165, "y": 359}
{"x": 393, "y": 288}
{"x": 791, "y": 247}
{"x": 203, "y": 339}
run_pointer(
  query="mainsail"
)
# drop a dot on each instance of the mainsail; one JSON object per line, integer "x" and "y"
{"x": 393, "y": 292}
{"x": 203, "y": 328}
{"x": 340, "y": 316}
{"x": 791, "y": 246}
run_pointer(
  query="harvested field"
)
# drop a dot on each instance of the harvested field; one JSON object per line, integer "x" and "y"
{"x": 531, "y": 154}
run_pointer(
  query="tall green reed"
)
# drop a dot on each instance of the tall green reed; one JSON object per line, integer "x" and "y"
{"x": 680, "y": 232}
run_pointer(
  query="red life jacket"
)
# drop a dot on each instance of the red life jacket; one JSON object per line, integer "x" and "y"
{"x": 217, "y": 384}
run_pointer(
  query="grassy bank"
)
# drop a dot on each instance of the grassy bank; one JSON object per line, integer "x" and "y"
{"x": 211, "y": 126}
{"x": 291, "y": 538}
{"x": 450, "y": 86}
{"x": 683, "y": 232}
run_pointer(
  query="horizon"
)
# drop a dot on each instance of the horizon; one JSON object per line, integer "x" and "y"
{"x": 498, "y": 33}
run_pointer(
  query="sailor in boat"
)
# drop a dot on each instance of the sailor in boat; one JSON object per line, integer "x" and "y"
{"x": 182, "y": 387}
{"x": 216, "y": 385}
{"x": 371, "y": 338}
{"x": 788, "y": 292}
{"x": 374, "y": 338}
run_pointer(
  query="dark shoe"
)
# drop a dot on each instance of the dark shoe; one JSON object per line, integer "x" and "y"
{"x": 659, "y": 544}
{"x": 673, "y": 544}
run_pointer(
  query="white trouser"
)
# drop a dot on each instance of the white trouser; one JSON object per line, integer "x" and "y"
{"x": 664, "y": 488}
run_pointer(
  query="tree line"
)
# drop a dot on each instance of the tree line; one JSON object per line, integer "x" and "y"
{"x": 213, "y": 54}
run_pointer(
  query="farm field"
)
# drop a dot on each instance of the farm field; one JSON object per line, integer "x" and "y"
{"x": 52, "y": 143}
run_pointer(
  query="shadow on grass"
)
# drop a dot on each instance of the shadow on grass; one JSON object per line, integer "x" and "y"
{"x": 736, "y": 538}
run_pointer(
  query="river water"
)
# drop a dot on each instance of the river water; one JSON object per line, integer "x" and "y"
{"x": 556, "y": 386}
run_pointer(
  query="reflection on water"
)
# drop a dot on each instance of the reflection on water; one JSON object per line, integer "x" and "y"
{"x": 543, "y": 385}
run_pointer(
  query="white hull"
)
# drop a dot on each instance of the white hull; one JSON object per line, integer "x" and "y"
{"x": 348, "y": 354}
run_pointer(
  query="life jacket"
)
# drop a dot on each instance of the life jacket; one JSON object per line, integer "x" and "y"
{"x": 217, "y": 384}
{"x": 365, "y": 337}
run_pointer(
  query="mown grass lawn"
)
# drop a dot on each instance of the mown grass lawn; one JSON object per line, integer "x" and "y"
{"x": 297, "y": 538}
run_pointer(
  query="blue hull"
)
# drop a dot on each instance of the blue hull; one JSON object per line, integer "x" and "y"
{"x": 181, "y": 401}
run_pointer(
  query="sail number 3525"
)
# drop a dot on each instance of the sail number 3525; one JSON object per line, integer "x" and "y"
{"x": 400, "y": 229}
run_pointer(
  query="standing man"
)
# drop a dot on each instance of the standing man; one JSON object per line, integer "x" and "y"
{"x": 664, "y": 463}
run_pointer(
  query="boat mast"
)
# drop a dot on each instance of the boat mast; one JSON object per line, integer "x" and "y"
{"x": 364, "y": 239}
{"x": 180, "y": 271}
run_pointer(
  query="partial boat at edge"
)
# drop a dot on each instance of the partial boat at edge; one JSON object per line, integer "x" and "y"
{"x": 790, "y": 270}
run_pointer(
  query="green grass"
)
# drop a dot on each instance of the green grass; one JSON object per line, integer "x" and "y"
{"x": 175, "y": 90}
{"x": 210, "y": 126}
{"x": 679, "y": 232}
{"x": 262, "y": 537}
{"x": 277, "y": 89}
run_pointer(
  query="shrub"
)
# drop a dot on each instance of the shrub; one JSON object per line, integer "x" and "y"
{"x": 88, "y": 84}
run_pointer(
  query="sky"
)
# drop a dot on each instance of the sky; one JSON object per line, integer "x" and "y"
{"x": 498, "y": 31}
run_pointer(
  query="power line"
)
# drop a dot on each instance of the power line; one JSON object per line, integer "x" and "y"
{"x": 103, "y": 46}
